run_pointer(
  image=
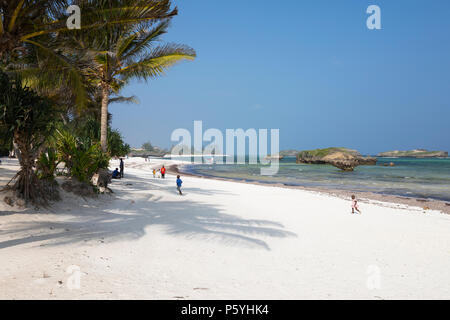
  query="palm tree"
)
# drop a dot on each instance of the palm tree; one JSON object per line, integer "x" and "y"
{"x": 24, "y": 21}
{"x": 130, "y": 53}
{"x": 116, "y": 28}
{"x": 38, "y": 27}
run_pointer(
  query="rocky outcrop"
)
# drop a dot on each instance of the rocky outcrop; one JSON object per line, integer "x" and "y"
{"x": 367, "y": 161}
{"x": 101, "y": 180}
{"x": 342, "y": 158}
{"x": 417, "y": 153}
{"x": 289, "y": 153}
{"x": 391, "y": 164}
{"x": 274, "y": 157}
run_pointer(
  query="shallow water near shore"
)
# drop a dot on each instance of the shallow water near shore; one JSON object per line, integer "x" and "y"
{"x": 410, "y": 177}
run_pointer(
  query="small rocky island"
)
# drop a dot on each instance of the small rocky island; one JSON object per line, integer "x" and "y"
{"x": 417, "y": 153}
{"x": 342, "y": 158}
{"x": 274, "y": 157}
{"x": 289, "y": 153}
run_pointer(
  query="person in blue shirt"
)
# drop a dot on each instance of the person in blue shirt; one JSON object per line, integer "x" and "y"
{"x": 179, "y": 182}
{"x": 116, "y": 174}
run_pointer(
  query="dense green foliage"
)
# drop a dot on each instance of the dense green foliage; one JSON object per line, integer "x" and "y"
{"x": 116, "y": 146}
{"x": 46, "y": 164}
{"x": 147, "y": 146}
{"x": 24, "y": 114}
{"x": 24, "y": 118}
{"x": 88, "y": 130}
{"x": 81, "y": 158}
{"x": 55, "y": 77}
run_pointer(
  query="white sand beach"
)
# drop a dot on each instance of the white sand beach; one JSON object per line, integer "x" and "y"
{"x": 220, "y": 240}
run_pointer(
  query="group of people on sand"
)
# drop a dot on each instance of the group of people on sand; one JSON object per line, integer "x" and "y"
{"x": 162, "y": 174}
{"x": 119, "y": 174}
{"x": 162, "y": 171}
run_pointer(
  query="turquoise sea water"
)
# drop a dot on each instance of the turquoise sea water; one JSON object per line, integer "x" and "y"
{"x": 420, "y": 178}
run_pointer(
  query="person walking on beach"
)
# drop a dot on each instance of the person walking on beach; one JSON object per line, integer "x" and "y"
{"x": 163, "y": 172}
{"x": 179, "y": 183}
{"x": 121, "y": 168}
{"x": 355, "y": 205}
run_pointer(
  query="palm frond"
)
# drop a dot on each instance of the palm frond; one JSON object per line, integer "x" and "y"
{"x": 157, "y": 62}
{"x": 145, "y": 40}
{"x": 13, "y": 19}
{"x": 121, "y": 99}
{"x": 67, "y": 69}
{"x": 103, "y": 14}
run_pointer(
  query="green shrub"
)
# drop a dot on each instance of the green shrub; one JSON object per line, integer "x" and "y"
{"x": 88, "y": 131}
{"x": 46, "y": 165}
{"x": 66, "y": 145}
{"x": 25, "y": 118}
{"x": 81, "y": 158}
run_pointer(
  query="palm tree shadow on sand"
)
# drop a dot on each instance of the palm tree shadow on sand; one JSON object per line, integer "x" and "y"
{"x": 103, "y": 221}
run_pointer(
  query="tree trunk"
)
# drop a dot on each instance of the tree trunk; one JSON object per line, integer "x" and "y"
{"x": 16, "y": 151}
{"x": 104, "y": 119}
{"x": 25, "y": 185}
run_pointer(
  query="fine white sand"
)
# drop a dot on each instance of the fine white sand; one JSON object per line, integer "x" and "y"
{"x": 221, "y": 240}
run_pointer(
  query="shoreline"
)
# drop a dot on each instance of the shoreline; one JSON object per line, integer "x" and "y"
{"x": 363, "y": 196}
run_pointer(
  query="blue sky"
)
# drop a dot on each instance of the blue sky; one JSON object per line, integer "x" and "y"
{"x": 309, "y": 68}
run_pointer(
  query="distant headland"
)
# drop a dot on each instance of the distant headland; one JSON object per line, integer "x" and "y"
{"x": 416, "y": 153}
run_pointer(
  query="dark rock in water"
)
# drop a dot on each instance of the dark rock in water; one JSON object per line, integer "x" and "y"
{"x": 342, "y": 158}
{"x": 344, "y": 165}
{"x": 343, "y": 161}
{"x": 367, "y": 161}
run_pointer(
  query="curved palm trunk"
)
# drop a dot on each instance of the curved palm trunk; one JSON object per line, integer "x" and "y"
{"x": 104, "y": 119}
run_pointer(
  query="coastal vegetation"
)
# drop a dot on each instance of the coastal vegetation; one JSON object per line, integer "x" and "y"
{"x": 148, "y": 149}
{"x": 118, "y": 54}
{"x": 57, "y": 83}
{"x": 24, "y": 119}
